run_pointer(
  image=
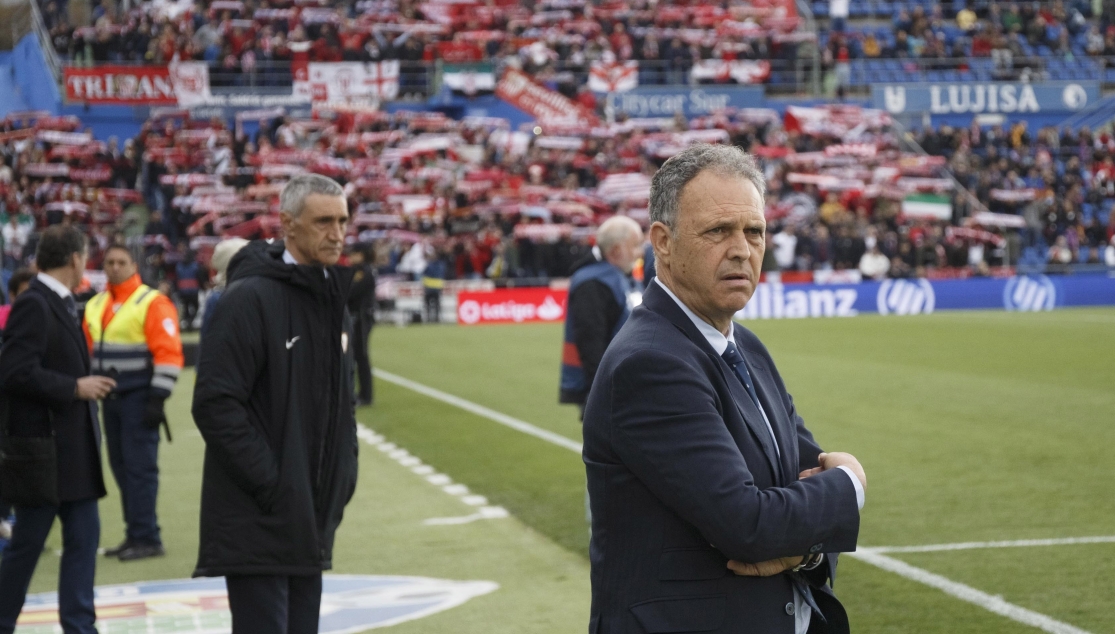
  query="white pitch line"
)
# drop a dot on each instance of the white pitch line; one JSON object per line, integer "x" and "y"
{"x": 440, "y": 480}
{"x": 966, "y": 593}
{"x": 480, "y": 410}
{"x": 1019, "y": 543}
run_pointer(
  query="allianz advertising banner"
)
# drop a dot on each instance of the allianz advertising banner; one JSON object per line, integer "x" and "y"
{"x": 694, "y": 101}
{"x": 985, "y": 98}
{"x": 920, "y": 296}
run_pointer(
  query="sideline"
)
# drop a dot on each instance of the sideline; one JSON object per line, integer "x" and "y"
{"x": 965, "y": 593}
{"x": 1019, "y": 543}
{"x": 440, "y": 480}
{"x": 480, "y": 410}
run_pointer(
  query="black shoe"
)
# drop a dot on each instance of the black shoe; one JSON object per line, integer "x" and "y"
{"x": 116, "y": 550}
{"x": 364, "y": 402}
{"x": 141, "y": 551}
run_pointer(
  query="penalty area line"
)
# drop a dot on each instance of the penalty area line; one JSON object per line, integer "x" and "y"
{"x": 480, "y": 410}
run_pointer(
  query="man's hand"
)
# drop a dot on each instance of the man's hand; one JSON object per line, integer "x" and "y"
{"x": 834, "y": 460}
{"x": 764, "y": 568}
{"x": 92, "y": 388}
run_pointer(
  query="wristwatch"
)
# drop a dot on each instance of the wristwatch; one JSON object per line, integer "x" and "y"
{"x": 809, "y": 563}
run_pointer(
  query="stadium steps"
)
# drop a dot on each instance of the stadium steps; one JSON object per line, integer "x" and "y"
{"x": 11, "y": 97}
{"x": 1095, "y": 116}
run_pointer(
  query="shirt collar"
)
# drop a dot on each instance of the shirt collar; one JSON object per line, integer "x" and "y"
{"x": 124, "y": 290}
{"x": 715, "y": 338}
{"x": 54, "y": 285}
{"x": 289, "y": 259}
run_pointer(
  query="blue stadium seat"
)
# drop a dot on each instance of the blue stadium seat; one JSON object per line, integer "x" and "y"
{"x": 821, "y": 9}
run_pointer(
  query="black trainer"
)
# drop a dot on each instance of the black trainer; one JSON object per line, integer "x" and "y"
{"x": 117, "y": 549}
{"x": 141, "y": 551}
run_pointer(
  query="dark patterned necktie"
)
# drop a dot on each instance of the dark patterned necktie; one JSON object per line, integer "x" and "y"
{"x": 734, "y": 360}
{"x": 71, "y": 306}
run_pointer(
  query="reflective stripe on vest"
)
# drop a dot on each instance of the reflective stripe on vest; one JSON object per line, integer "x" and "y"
{"x": 122, "y": 345}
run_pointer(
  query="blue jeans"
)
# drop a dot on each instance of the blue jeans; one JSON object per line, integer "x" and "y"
{"x": 133, "y": 454}
{"x": 81, "y": 533}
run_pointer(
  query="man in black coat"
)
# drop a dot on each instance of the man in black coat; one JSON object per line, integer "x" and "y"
{"x": 274, "y": 402}
{"x": 46, "y": 390}
{"x": 362, "y": 306}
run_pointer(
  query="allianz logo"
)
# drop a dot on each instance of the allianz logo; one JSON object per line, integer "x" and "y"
{"x": 905, "y": 297}
{"x": 1029, "y": 293}
{"x": 773, "y": 301}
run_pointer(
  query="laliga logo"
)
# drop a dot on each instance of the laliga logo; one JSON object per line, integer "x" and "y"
{"x": 349, "y": 603}
{"x": 905, "y": 297}
{"x": 469, "y": 311}
{"x": 1029, "y": 293}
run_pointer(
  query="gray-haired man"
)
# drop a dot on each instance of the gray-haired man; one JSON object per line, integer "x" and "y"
{"x": 274, "y": 403}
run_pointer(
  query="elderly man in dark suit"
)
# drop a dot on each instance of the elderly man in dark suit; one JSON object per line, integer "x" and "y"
{"x": 714, "y": 510}
{"x": 46, "y": 391}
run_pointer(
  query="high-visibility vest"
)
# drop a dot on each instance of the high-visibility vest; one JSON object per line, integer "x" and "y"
{"x": 122, "y": 345}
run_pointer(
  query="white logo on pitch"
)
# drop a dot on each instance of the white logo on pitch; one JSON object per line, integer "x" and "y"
{"x": 906, "y": 297}
{"x": 1029, "y": 293}
{"x": 469, "y": 312}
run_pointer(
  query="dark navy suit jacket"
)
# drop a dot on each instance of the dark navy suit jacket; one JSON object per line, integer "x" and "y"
{"x": 44, "y": 354}
{"x": 682, "y": 477}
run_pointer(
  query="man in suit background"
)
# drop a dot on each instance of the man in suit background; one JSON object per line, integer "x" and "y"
{"x": 713, "y": 508}
{"x": 47, "y": 390}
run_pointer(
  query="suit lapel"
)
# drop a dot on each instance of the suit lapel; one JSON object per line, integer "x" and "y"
{"x": 656, "y": 300}
{"x": 68, "y": 324}
{"x": 766, "y": 390}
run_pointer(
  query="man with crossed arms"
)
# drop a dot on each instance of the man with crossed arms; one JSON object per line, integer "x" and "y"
{"x": 713, "y": 508}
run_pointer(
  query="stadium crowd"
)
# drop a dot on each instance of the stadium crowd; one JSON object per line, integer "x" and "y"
{"x": 556, "y": 35}
{"x": 474, "y": 199}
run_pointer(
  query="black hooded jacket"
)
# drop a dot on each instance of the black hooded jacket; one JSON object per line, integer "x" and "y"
{"x": 274, "y": 402}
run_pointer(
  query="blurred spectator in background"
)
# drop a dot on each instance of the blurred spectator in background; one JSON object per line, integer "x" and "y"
{"x": 433, "y": 282}
{"x": 598, "y": 306}
{"x": 222, "y": 256}
{"x": 1109, "y": 253}
{"x": 187, "y": 284}
{"x": 874, "y": 265}
{"x": 16, "y": 234}
{"x": 362, "y": 307}
{"x": 17, "y": 283}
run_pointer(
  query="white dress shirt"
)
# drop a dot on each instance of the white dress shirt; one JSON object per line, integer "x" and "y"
{"x": 719, "y": 343}
{"x": 289, "y": 259}
{"x": 54, "y": 285}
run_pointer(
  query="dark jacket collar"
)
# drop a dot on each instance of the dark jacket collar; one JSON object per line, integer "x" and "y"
{"x": 659, "y": 301}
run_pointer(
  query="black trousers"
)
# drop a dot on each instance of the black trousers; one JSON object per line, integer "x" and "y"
{"x": 274, "y": 604}
{"x": 363, "y": 359}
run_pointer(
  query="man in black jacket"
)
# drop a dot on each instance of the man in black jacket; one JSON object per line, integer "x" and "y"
{"x": 46, "y": 390}
{"x": 274, "y": 402}
{"x": 362, "y": 306}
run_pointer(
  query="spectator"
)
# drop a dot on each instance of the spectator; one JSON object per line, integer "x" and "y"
{"x": 874, "y": 265}
{"x": 785, "y": 247}
{"x": 219, "y": 263}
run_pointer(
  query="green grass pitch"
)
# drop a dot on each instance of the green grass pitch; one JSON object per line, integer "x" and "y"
{"x": 972, "y": 426}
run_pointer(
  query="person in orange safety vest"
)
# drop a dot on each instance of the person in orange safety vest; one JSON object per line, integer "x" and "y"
{"x": 133, "y": 336}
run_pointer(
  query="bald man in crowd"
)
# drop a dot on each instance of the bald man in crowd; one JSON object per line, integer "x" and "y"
{"x": 598, "y": 305}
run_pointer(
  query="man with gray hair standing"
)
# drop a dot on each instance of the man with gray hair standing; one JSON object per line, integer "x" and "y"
{"x": 713, "y": 508}
{"x": 274, "y": 402}
{"x": 597, "y": 307}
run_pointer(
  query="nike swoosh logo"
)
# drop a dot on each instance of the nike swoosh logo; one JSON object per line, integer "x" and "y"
{"x": 290, "y": 344}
